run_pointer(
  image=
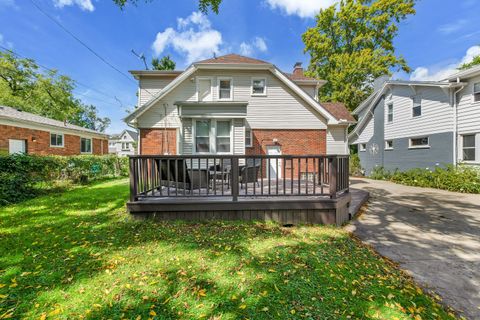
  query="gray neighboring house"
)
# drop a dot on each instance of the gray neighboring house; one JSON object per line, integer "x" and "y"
{"x": 420, "y": 124}
{"x": 123, "y": 144}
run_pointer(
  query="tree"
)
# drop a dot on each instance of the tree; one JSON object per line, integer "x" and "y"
{"x": 352, "y": 45}
{"x": 203, "y": 5}
{"x": 475, "y": 61}
{"x": 48, "y": 94}
{"x": 166, "y": 63}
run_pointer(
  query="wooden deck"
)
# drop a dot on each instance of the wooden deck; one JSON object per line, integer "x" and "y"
{"x": 239, "y": 193}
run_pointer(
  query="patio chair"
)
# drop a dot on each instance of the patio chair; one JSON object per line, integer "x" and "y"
{"x": 249, "y": 172}
{"x": 221, "y": 172}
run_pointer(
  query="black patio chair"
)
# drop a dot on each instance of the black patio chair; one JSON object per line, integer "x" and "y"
{"x": 249, "y": 172}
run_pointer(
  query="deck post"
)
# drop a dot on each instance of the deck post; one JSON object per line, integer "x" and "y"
{"x": 234, "y": 176}
{"x": 332, "y": 179}
{"x": 133, "y": 179}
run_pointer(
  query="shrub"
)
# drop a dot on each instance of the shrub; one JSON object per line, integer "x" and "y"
{"x": 24, "y": 176}
{"x": 355, "y": 166}
{"x": 460, "y": 179}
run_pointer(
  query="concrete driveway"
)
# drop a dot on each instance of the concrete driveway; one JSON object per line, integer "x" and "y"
{"x": 433, "y": 234}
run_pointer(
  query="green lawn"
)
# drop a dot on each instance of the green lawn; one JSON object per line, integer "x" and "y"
{"x": 79, "y": 255}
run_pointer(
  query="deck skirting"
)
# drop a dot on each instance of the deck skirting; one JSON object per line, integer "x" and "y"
{"x": 284, "y": 211}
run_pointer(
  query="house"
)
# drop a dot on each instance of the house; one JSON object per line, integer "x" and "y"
{"x": 236, "y": 105}
{"x": 420, "y": 124}
{"x": 233, "y": 134}
{"x": 24, "y": 132}
{"x": 123, "y": 144}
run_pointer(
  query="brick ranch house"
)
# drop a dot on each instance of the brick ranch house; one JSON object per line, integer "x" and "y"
{"x": 24, "y": 132}
{"x": 236, "y": 105}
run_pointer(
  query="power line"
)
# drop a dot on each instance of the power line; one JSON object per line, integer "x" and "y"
{"x": 81, "y": 42}
{"x": 76, "y": 81}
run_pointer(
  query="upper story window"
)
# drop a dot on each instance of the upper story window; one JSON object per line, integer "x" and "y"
{"x": 85, "y": 145}
{"x": 468, "y": 147}
{"x": 390, "y": 112}
{"x": 362, "y": 147}
{"x": 225, "y": 89}
{"x": 125, "y": 146}
{"x": 422, "y": 142}
{"x": 259, "y": 86}
{"x": 56, "y": 140}
{"x": 476, "y": 92}
{"x": 417, "y": 107}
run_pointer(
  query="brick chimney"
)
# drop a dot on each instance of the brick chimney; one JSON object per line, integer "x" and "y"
{"x": 298, "y": 69}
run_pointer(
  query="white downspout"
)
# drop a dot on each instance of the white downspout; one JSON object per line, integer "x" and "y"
{"x": 455, "y": 125}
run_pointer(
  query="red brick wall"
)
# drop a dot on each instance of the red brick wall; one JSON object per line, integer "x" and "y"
{"x": 158, "y": 141}
{"x": 291, "y": 142}
{"x": 41, "y": 145}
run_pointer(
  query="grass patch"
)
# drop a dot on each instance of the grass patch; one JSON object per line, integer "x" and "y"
{"x": 78, "y": 255}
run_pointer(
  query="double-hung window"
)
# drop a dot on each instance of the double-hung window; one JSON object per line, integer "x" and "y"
{"x": 259, "y": 86}
{"x": 468, "y": 147}
{"x": 248, "y": 137}
{"x": 362, "y": 147}
{"x": 56, "y": 140}
{"x": 476, "y": 92}
{"x": 390, "y": 112}
{"x": 85, "y": 145}
{"x": 388, "y": 144}
{"x": 417, "y": 107}
{"x": 213, "y": 136}
{"x": 202, "y": 136}
{"x": 225, "y": 89}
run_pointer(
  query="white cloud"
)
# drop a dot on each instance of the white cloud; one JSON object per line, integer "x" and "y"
{"x": 453, "y": 27}
{"x": 301, "y": 8}
{"x": 443, "y": 71}
{"x": 249, "y": 48}
{"x": 194, "y": 38}
{"x": 5, "y": 43}
{"x": 85, "y": 5}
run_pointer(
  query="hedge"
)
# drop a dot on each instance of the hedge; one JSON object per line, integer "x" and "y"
{"x": 25, "y": 176}
{"x": 459, "y": 179}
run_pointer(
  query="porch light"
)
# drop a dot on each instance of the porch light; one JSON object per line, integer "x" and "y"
{"x": 34, "y": 139}
{"x": 275, "y": 140}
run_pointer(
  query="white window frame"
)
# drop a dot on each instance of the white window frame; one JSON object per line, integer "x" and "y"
{"x": 475, "y": 93}
{"x": 426, "y": 146}
{"x": 476, "y": 160}
{"x": 417, "y": 102}
{"x": 91, "y": 145}
{"x": 362, "y": 147}
{"x": 57, "y": 134}
{"x": 264, "y": 94}
{"x": 388, "y": 112}
{"x": 197, "y": 79}
{"x": 387, "y": 147}
{"x": 231, "y": 88}
{"x": 212, "y": 136}
{"x": 250, "y": 136}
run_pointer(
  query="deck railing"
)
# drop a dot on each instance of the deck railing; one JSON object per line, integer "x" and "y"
{"x": 237, "y": 176}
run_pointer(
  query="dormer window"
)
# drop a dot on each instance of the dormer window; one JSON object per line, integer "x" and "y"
{"x": 225, "y": 89}
{"x": 259, "y": 86}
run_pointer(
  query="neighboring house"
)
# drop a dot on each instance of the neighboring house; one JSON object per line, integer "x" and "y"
{"x": 420, "y": 124}
{"x": 123, "y": 144}
{"x": 23, "y": 132}
{"x": 236, "y": 105}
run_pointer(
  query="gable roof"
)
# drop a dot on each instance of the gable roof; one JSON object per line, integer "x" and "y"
{"x": 232, "y": 59}
{"x": 468, "y": 73}
{"x": 22, "y": 116}
{"x": 339, "y": 111}
{"x": 132, "y": 134}
{"x": 236, "y": 61}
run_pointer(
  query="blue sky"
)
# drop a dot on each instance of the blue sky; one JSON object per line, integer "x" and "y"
{"x": 441, "y": 35}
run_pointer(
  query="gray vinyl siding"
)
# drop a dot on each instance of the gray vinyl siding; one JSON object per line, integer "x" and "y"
{"x": 468, "y": 111}
{"x": 311, "y": 90}
{"x": 437, "y": 112}
{"x": 281, "y": 108}
{"x": 337, "y": 140}
{"x": 150, "y": 86}
{"x": 402, "y": 157}
{"x": 367, "y": 132}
